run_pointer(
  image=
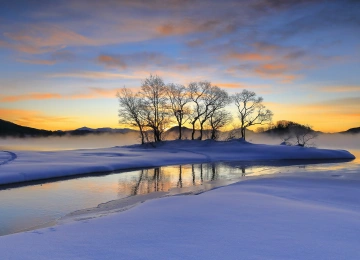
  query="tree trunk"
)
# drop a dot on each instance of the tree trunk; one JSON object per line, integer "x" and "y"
{"x": 142, "y": 134}
{"x": 158, "y": 137}
{"x": 193, "y": 131}
{"x": 155, "y": 134}
{"x": 243, "y": 132}
{"x": 179, "y": 131}
{"x": 213, "y": 134}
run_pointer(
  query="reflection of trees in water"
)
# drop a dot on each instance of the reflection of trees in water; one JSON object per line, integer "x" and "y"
{"x": 164, "y": 178}
{"x": 213, "y": 172}
{"x": 179, "y": 185}
{"x": 243, "y": 173}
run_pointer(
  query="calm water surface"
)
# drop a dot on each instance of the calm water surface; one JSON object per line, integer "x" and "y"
{"x": 38, "y": 203}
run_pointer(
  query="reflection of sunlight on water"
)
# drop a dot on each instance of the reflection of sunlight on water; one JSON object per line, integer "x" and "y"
{"x": 28, "y": 206}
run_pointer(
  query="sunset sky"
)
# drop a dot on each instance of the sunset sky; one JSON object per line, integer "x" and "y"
{"x": 63, "y": 61}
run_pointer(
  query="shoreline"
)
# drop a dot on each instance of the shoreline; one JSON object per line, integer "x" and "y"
{"x": 265, "y": 208}
{"x": 123, "y": 204}
{"x": 34, "y": 166}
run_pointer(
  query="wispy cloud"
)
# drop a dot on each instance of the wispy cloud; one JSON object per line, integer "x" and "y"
{"x": 251, "y": 56}
{"x": 145, "y": 60}
{"x": 240, "y": 86}
{"x": 39, "y": 62}
{"x": 135, "y": 60}
{"x": 30, "y": 96}
{"x": 95, "y": 75}
{"x": 88, "y": 93}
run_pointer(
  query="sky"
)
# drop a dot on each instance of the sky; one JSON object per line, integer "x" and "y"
{"x": 62, "y": 62}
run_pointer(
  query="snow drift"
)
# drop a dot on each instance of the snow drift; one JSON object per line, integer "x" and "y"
{"x": 23, "y": 166}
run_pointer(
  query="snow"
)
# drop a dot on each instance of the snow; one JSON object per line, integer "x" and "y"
{"x": 20, "y": 166}
{"x": 284, "y": 217}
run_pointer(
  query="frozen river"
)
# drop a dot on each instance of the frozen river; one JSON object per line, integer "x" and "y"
{"x": 36, "y": 204}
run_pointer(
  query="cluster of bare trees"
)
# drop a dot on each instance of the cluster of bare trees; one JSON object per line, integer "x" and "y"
{"x": 292, "y": 133}
{"x": 201, "y": 105}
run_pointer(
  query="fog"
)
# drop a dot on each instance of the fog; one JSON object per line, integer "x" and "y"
{"x": 334, "y": 141}
{"x": 91, "y": 141}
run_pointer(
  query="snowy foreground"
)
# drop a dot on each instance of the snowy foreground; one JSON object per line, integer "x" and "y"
{"x": 267, "y": 218}
{"x": 20, "y": 166}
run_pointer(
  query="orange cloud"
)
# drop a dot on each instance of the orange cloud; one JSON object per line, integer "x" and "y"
{"x": 230, "y": 85}
{"x": 168, "y": 29}
{"x": 96, "y": 93}
{"x": 91, "y": 93}
{"x": 241, "y": 86}
{"x": 31, "y": 96}
{"x": 251, "y": 56}
{"x": 187, "y": 26}
{"x": 48, "y": 35}
{"x": 41, "y": 38}
{"x": 112, "y": 61}
{"x": 274, "y": 70}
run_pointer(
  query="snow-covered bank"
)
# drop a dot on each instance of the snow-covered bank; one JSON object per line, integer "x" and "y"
{"x": 28, "y": 165}
{"x": 271, "y": 218}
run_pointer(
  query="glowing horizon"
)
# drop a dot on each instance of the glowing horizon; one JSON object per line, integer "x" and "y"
{"x": 64, "y": 61}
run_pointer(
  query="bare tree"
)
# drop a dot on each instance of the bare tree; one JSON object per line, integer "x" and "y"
{"x": 214, "y": 100}
{"x": 217, "y": 120}
{"x": 154, "y": 95}
{"x": 197, "y": 92}
{"x": 303, "y": 135}
{"x": 251, "y": 110}
{"x": 208, "y": 99}
{"x": 131, "y": 110}
{"x": 179, "y": 99}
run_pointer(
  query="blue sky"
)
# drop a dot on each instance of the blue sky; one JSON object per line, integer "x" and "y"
{"x": 63, "y": 61}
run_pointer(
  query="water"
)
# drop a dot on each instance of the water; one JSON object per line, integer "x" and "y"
{"x": 23, "y": 207}
{"x": 34, "y": 204}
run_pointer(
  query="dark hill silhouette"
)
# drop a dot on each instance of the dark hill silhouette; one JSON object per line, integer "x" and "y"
{"x": 14, "y": 130}
{"x": 173, "y": 133}
{"x": 284, "y": 127}
{"x": 10, "y": 129}
{"x": 355, "y": 130}
{"x": 106, "y": 130}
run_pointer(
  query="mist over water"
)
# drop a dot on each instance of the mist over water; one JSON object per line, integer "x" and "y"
{"x": 39, "y": 203}
{"x": 332, "y": 141}
{"x": 93, "y": 141}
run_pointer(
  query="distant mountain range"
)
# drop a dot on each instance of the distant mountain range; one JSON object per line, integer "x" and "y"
{"x": 105, "y": 130}
{"x": 355, "y": 130}
{"x": 10, "y": 129}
